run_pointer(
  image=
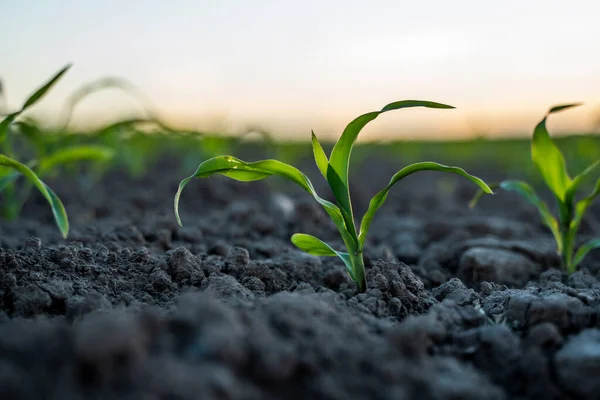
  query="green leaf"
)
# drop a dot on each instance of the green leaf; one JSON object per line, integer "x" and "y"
{"x": 317, "y": 247}
{"x": 237, "y": 169}
{"x": 569, "y": 241}
{"x": 562, "y": 107}
{"x": 580, "y": 209}
{"x": 340, "y": 155}
{"x": 110, "y": 82}
{"x": 312, "y": 245}
{"x": 578, "y": 180}
{"x": 74, "y": 154}
{"x": 34, "y": 98}
{"x": 584, "y": 250}
{"x": 320, "y": 156}
{"x": 548, "y": 158}
{"x": 378, "y": 200}
{"x": 525, "y": 190}
{"x": 60, "y": 215}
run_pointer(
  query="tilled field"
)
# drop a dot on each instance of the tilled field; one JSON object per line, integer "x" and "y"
{"x": 461, "y": 303}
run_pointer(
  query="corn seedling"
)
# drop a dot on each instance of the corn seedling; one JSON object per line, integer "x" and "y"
{"x": 48, "y": 159}
{"x": 551, "y": 164}
{"x": 335, "y": 170}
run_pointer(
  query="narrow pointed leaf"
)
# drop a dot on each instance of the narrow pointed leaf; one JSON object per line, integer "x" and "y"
{"x": 312, "y": 245}
{"x": 562, "y": 107}
{"x": 237, "y": 169}
{"x": 317, "y": 247}
{"x": 74, "y": 154}
{"x": 34, "y": 98}
{"x": 578, "y": 180}
{"x": 580, "y": 209}
{"x": 60, "y": 215}
{"x": 320, "y": 156}
{"x": 584, "y": 250}
{"x": 378, "y": 200}
{"x": 341, "y": 192}
{"x": 527, "y": 192}
{"x": 548, "y": 158}
{"x": 340, "y": 155}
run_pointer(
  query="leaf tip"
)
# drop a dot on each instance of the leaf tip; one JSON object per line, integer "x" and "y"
{"x": 562, "y": 107}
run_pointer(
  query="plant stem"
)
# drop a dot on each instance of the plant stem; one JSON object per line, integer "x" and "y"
{"x": 359, "y": 270}
{"x": 567, "y": 252}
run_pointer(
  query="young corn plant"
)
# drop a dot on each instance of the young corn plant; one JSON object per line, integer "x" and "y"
{"x": 551, "y": 164}
{"x": 48, "y": 158}
{"x": 335, "y": 170}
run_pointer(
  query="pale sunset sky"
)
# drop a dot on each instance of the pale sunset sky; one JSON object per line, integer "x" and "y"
{"x": 293, "y": 66}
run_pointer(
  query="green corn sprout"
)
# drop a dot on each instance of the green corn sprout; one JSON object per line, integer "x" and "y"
{"x": 551, "y": 164}
{"x": 60, "y": 215}
{"x": 47, "y": 161}
{"x": 335, "y": 170}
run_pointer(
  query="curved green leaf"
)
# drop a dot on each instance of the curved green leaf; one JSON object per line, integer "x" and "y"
{"x": 525, "y": 190}
{"x": 580, "y": 209}
{"x": 34, "y": 98}
{"x": 584, "y": 250}
{"x": 320, "y": 156}
{"x": 237, "y": 169}
{"x": 562, "y": 107}
{"x": 312, "y": 245}
{"x": 578, "y": 180}
{"x": 60, "y": 215}
{"x": 74, "y": 154}
{"x": 317, "y": 247}
{"x": 339, "y": 161}
{"x": 340, "y": 155}
{"x": 378, "y": 200}
{"x": 110, "y": 82}
{"x": 548, "y": 158}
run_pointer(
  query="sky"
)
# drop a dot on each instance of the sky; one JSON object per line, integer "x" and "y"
{"x": 292, "y": 66}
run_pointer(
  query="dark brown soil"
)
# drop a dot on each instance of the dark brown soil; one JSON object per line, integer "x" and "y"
{"x": 461, "y": 304}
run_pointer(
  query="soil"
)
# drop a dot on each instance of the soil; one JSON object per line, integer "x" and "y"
{"x": 461, "y": 303}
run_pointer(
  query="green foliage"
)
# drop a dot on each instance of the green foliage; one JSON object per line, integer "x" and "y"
{"x": 60, "y": 215}
{"x": 335, "y": 170}
{"x": 48, "y": 157}
{"x": 32, "y": 100}
{"x": 552, "y": 166}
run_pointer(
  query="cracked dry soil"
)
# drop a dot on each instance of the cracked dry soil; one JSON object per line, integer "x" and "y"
{"x": 461, "y": 304}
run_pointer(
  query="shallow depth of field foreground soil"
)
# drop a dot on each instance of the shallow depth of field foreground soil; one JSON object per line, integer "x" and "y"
{"x": 461, "y": 304}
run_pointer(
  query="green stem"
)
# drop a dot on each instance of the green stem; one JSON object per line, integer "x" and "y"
{"x": 358, "y": 263}
{"x": 567, "y": 251}
{"x": 568, "y": 235}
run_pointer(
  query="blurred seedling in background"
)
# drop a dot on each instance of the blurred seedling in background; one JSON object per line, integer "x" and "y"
{"x": 551, "y": 164}
{"x": 335, "y": 170}
{"x": 46, "y": 159}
